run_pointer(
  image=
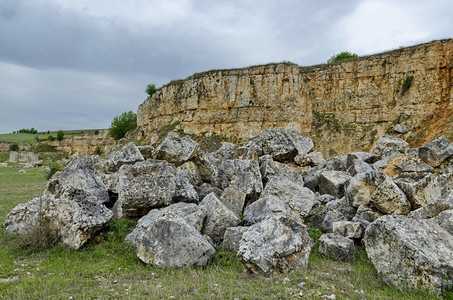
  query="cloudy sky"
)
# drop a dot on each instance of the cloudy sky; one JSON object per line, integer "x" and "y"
{"x": 76, "y": 64}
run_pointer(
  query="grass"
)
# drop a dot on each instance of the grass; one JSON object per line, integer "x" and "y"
{"x": 106, "y": 268}
{"x": 25, "y": 138}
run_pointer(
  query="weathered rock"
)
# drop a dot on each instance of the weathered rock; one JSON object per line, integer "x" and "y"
{"x": 184, "y": 190}
{"x": 445, "y": 220}
{"x": 192, "y": 173}
{"x": 366, "y": 215}
{"x": 390, "y": 199}
{"x": 225, "y": 151}
{"x": 388, "y": 141}
{"x": 369, "y": 158}
{"x": 275, "y": 245}
{"x": 127, "y": 155}
{"x": 245, "y": 153}
{"x": 413, "y": 167}
{"x": 218, "y": 219}
{"x": 80, "y": 174}
{"x": 360, "y": 187}
{"x": 232, "y": 237}
{"x": 420, "y": 188}
{"x": 337, "y": 247}
{"x": 168, "y": 240}
{"x": 72, "y": 218}
{"x": 409, "y": 252}
{"x": 143, "y": 186}
{"x": 349, "y": 229}
{"x": 311, "y": 159}
{"x": 297, "y": 198}
{"x": 265, "y": 207}
{"x": 333, "y": 182}
{"x": 332, "y": 164}
{"x": 432, "y": 210}
{"x": 146, "y": 151}
{"x": 401, "y": 128}
{"x": 317, "y": 212}
{"x": 334, "y": 211}
{"x": 359, "y": 166}
{"x": 234, "y": 199}
{"x": 176, "y": 149}
{"x": 206, "y": 188}
{"x": 270, "y": 168}
{"x": 206, "y": 164}
{"x": 436, "y": 152}
{"x": 285, "y": 144}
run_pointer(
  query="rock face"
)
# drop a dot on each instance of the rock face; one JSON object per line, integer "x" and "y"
{"x": 275, "y": 245}
{"x": 408, "y": 251}
{"x": 342, "y": 107}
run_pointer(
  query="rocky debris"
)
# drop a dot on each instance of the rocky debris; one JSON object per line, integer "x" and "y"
{"x": 165, "y": 239}
{"x": 413, "y": 167}
{"x": 127, "y": 155}
{"x": 285, "y": 144}
{"x": 401, "y": 128}
{"x": 234, "y": 199}
{"x": 436, "y": 152}
{"x": 360, "y": 187}
{"x": 336, "y": 247}
{"x": 270, "y": 168}
{"x": 72, "y": 218}
{"x": 275, "y": 245}
{"x": 264, "y": 208}
{"x": 385, "y": 142}
{"x": 333, "y": 182}
{"x": 232, "y": 237}
{"x": 366, "y": 157}
{"x": 246, "y": 153}
{"x": 408, "y": 252}
{"x": 206, "y": 188}
{"x": 359, "y": 166}
{"x": 192, "y": 173}
{"x": 349, "y": 229}
{"x": 176, "y": 149}
{"x": 225, "y": 151}
{"x": 146, "y": 151}
{"x": 80, "y": 174}
{"x": 184, "y": 190}
{"x": 366, "y": 215}
{"x": 311, "y": 159}
{"x": 311, "y": 176}
{"x": 390, "y": 199}
{"x": 334, "y": 211}
{"x": 219, "y": 218}
{"x": 143, "y": 186}
{"x": 420, "y": 188}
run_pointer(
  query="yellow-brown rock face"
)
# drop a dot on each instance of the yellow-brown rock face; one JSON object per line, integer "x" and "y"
{"x": 343, "y": 107}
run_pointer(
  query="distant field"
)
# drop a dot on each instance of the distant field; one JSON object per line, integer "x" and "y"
{"x": 31, "y": 138}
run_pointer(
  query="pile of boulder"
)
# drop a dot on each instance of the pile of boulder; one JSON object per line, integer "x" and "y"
{"x": 256, "y": 199}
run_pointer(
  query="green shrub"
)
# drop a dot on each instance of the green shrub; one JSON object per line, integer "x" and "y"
{"x": 96, "y": 132}
{"x": 341, "y": 56}
{"x": 60, "y": 135}
{"x": 30, "y": 131}
{"x": 44, "y": 148}
{"x": 51, "y": 137}
{"x": 14, "y": 147}
{"x": 97, "y": 151}
{"x": 407, "y": 84}
{"x": 150, "y": 89}
{"x": 122, "y": 124}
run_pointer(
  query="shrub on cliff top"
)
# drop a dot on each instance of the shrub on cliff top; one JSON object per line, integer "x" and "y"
{"x": 150, "y": 89}
{"x": 341, "y": 56}
{"x": 122, "y": 124}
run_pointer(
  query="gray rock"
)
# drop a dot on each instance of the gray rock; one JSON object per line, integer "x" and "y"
{"x": 360, "y": 187}
{"x": 336, "y": 247}
{"x": 390, "y": 199}
{"x": 366, "y": 215}
{"x": 311, "y": 159}
{"x": 144, "y": 186}
{"x": 192, "y": 173}
{"x": 275, "y": 245}
{"x": 420, "y": 188}
{"x": 432, "y": 210}
{"x": 206, "y": 164}
{"x": 366, "y": 157}
{"x": 127, "y": 155}
{"x": 270, "y": 168}
{"x": 168, "y": 240}
{"x": 265, "y": 207}
{"x": 80, "y": 174}
{"x": 285, "y": 144}
{"x": 246, "y": 153}
{"x": 206, "y": 188}
{"x": 359, "y": 166}
{"x": 232, "y": 237}
{"x": 333, "y": 182}
{"x": 413, "y": 167}
{"x": 349, "y": 229}
{"x": 401, "y": 128}
{"x": 225, "y": 151}
{"x": 176, "y": 149}
{"x": 445, "y": 220}
{"x": 218, "y": 219}
{"x": 334, "y": 211}
{"x": 234, "y": 199}
{"x": 317, "y": 212}
{"x": 387, "y": 141}
{"x": 244, "y": 175}
{"x": 146, "y": 151}
{"x": 411, "y": 253}
{"x": 436, "y": 152}
{"x": 73, "y": 217}
{"x": 184, "y": 190}
{"x": 311, "y": 177}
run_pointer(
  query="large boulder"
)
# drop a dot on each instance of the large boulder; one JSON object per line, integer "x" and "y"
{"x": 219, "y": 218}
{"x": 361, "y": 186}
{"x": 436, "y": 152}
{"x": 144, "y": 186}
{"x": 270, "y": 168}
{"x": 127, "y": 155}
{"x": 72, "y": 218}
{"x": 275, "y": 245}
{"x": 166, "y": 238}
{"x": 420, "y": 188}
{"x": 176, "y": 149}
{"x": 336, "y": 247}
{"x": 333, "y": 183}
{"x": 80, "y": 174}
{"x": 390, "y": 199}
{"x": 285, "y": 144}
{"x": 408, "y": 252}
{"x": 266, "y": 207}
{"x": 385, "y": 142}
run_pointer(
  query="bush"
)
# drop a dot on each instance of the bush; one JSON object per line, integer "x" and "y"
{"x": 60, "y": 135}
{"x": 44, "y": 148}
{"x": 407, "y": 84}
{"x": 96, "y": 132}
{"x": 97, "y": 151}
{"x": 122, "y": 124}
{"x": 341, "y": 56}
{"x": 30, "y": 131}
{"x": 14, "y": 147}
{"x": 51, "y": 137}
{"x": 150, "y": 89}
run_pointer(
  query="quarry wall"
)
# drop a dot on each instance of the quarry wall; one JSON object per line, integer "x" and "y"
{"x": 343, "y": 107}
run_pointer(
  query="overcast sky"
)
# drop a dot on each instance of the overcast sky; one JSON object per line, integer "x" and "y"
{"x": 76, "y": 64}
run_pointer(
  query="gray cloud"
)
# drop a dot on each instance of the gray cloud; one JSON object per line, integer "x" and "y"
{"x": 77, "y": 64}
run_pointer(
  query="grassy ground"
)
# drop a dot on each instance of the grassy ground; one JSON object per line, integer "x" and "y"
{"x": 106, "y": 268}
{"x": 26, "y": 138}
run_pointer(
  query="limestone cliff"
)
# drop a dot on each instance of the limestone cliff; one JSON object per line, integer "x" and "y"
{"x": 343, "y": 107}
